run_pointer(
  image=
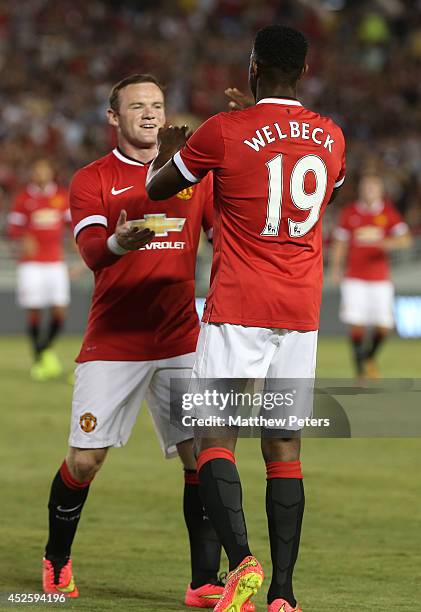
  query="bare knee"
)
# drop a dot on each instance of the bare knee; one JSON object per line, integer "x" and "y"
{"x": 281, "y": 449}
{"x": 225, "y": 442}
{"x": 382, "y": 331}
{"x": 59, "y": 312}
{"x": 84, "y": 463}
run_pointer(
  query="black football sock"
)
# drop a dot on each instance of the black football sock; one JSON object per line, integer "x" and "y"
{"x": 357, "y": 339}
{"x": 67, "y": 498}
{"x": 220, "y": 490}
{"x": 205, "y": 547}
{"x": 284, "y": 508}
{"x": 34, "y": 333}
{"x": 376, "y": 341}
{"x": 54, "y": 328}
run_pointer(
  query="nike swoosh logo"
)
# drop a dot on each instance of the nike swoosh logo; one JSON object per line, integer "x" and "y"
{"x": 60, "y": 509}
{"x": 115, "y": 191}
{"x": 67, "y": 589}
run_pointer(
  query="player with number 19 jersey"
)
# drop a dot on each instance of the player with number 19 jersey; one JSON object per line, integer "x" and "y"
{"x": 275, "y": 166}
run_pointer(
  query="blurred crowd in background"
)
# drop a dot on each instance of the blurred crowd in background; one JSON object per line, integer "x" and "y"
{"x": 59, "y": 58}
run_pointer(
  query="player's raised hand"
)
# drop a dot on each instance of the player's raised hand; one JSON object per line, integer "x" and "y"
{"x": 131, "y": 238}
{"x": 172, "y": 138}
{"x": 237, "y": 99}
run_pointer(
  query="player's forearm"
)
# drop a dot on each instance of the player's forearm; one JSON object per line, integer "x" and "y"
{"x": 94, "y": 249}
{"x": 165, "y": 153}
{"x": 151, "y": 177}
{"x": 335, "y": 192}
{"x": 163, "y": 180}
{"x": 337, "y": 260}
{"x": 157, "y": 184}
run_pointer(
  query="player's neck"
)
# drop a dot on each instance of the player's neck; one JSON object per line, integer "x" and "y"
{"x": 42, "y": 186}
{"x": 372, "y": 208}
{"x": 142, "y": 155}
{"x": 282, "y": 91}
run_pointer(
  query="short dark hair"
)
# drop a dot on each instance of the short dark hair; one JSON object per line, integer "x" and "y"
{"x": 282, "y": 50}
{"x": 131, "y": 80}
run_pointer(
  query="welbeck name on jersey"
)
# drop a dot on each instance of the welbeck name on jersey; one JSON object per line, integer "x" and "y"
{"x": 296, "y": 130}
{"x": 163, "y": 245}
{"x": 267, "y": 269}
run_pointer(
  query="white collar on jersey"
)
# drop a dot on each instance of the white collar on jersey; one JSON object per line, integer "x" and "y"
{"x": 375, "y": 209}
{"x": 126, "y": 160}
{"x": 284, "y": 101}
{"x": 35, "y": 190}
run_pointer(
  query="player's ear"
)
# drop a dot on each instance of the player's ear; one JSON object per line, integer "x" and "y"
{"x": 303, "y": 71}
{"x": 112, "y": 117}
{"x": 253, "y": 67}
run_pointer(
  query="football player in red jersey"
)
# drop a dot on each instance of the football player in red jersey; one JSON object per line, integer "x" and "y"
{"x": 37, "y": 220}
{"x": 367, "y": 231}
{"x": 142, "y": 328}
{"x": 276, "y": 166}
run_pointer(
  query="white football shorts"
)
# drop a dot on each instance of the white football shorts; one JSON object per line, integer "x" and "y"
{"x": 275, "y": 356}
{"x": 108, "y": 395}
{"x": 40, "y": 285}
{"x": 367, "y": 303}
{"x": 235, "y": 351}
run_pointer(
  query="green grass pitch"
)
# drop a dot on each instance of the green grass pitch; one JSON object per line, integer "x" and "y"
{"x": 361, "y": 542}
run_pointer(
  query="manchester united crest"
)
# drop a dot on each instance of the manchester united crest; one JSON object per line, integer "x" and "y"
{"x": 380, "y": 220}
{"x": 87, "y": 422}
{"x": 57, "y": 201}
{"x": 185, "y": 194}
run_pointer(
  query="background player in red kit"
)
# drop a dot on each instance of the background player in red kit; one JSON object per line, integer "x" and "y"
{"x": 275, "y": 167}
{"x": 37, "y": 220}
{"x": 367, "y": 231}
{"x": 142, "y": 329}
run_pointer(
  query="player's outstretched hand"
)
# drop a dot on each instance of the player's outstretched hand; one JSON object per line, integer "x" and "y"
{"x": 237, "y": 99}
{"x": 172, "y": 138}
{"x": 131, "y": 238}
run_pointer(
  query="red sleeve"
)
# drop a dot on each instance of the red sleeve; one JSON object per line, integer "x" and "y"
{"x": 17, "y": 219}
{"x": 204, "y": 151}
{"x": 86, "y": 205}
{"x": 341, "y": 176}
{"x": 92, "y": 243}
{"x": 396, "y": 226}
{"x": 207, "y": 218}
{"x": 343, "y": 229}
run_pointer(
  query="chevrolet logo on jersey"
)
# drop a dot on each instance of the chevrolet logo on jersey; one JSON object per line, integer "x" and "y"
{"x": 45, "y": 218}
{"x": 159, "y": 223}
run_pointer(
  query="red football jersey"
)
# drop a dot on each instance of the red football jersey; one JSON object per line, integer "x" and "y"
{"x": 40, "y": 214}
{"x": 362, "y": 227}
{"x": 143, "y": 306}
{"x": 275, "y": 166}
